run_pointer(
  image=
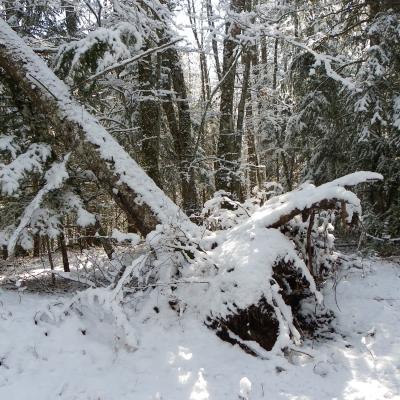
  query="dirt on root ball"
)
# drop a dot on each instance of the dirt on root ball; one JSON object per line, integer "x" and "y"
{"x": 256, "y": 323}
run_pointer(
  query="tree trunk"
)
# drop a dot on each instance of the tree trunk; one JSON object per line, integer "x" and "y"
{"x": 4, "y": 252}
{"x": 214, "y": 44}
{"x": 64, "y": 253}
{"x": 181, "y": 131}
{"x": 150, "y": 117}
{"x": 205, "y": 80}
{"x": 278, "y": 139}
{"x": 244, "y": 97}
{"x": 36, "y": 245}
{"x": 255, "y": 175}
{"x": 71, "y": 18}
{"x": 105, "y": 241}
{"x": 229, "y": 140}
{"x": 48, "y": 247}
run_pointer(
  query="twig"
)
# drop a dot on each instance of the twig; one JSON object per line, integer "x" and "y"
{"x": 208, "y": 103}
{"x": 43, "y": 86}
{"x": 131, "y": 60}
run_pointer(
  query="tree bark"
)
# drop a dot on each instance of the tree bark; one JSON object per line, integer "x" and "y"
{"x": 255, "y": 176}
{"x": 105, "y": 242}
{"x": 278, "y": 139}
{"x": 71, "y": 18}
{"x": 36, "y": 245}
{"x": 181, "y": 130}
{"x": 64, "y": 253}
{"x": 150, "y": 117}
{"x": 4, "y": 252}
{"x": 205, "y": 79}
{"x": 244, "y": 97}
{"x": 48, "y": 247}
{"x": 229, "y": 141}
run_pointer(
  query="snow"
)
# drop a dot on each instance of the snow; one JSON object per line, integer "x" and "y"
{"x": 32, "y": 160}
{"x": 178, "y": 358}
{"x": 120, "y": 237}
{"x": 7, "y": 144}
{"x": 116, "y": 49}
{"x": 74, "y": 202}
{"x": 307, "y": 195}
{"x": 245, "y": 388}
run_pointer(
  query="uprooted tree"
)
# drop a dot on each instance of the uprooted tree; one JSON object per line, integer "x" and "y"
{"x": 249, "y": 271}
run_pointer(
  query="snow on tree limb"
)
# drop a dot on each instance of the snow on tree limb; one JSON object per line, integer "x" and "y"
{"x": 281, "y": 209}
{"x": 131, "y": 60}
{"x": 55, "y": 177}
{"x": 7, "y": 144}
{"x": 130, "y": 186}
{"x": 32, "y": 160}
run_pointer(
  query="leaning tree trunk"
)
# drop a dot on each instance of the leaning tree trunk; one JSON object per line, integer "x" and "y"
{"x": 132, "y": 189}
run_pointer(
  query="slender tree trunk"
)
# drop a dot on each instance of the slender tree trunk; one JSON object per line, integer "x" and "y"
{"x": 205, "y": 80}
{"x": 48, "y": 247}
{"x": 36, "y": 236}
{"x": 255, "y": 172}
{"x": 263, "y": 47}
{"x": 180, "y": 126}
{"x": 105, "y": 242}
{"x": 5, "y": 252}
{"x": 229, "y": 141}
{"x": 214, "y": 44}
{"x": 278, "y": 139}
{"x": 244, "y": 97}
{"x": 64, "y": 253}
{"x": 150, "y": 117}
{"x": 36, "y": 245}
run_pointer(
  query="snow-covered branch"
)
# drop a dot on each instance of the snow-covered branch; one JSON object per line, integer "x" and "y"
{"x": 55, "y": 177}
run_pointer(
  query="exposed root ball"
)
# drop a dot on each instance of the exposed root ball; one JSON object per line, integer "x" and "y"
{"x": 257, "y": 323}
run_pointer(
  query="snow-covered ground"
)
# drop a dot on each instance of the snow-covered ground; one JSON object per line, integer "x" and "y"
{"x": 179, "y": 358}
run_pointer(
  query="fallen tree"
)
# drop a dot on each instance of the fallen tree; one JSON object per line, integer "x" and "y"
{"x": 251, "y": 284}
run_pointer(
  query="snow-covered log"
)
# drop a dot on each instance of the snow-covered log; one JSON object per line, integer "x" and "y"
{"x": 134, "y": 191}
{"x": 258, "y": 276}
{"x": 329, "y": 196}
